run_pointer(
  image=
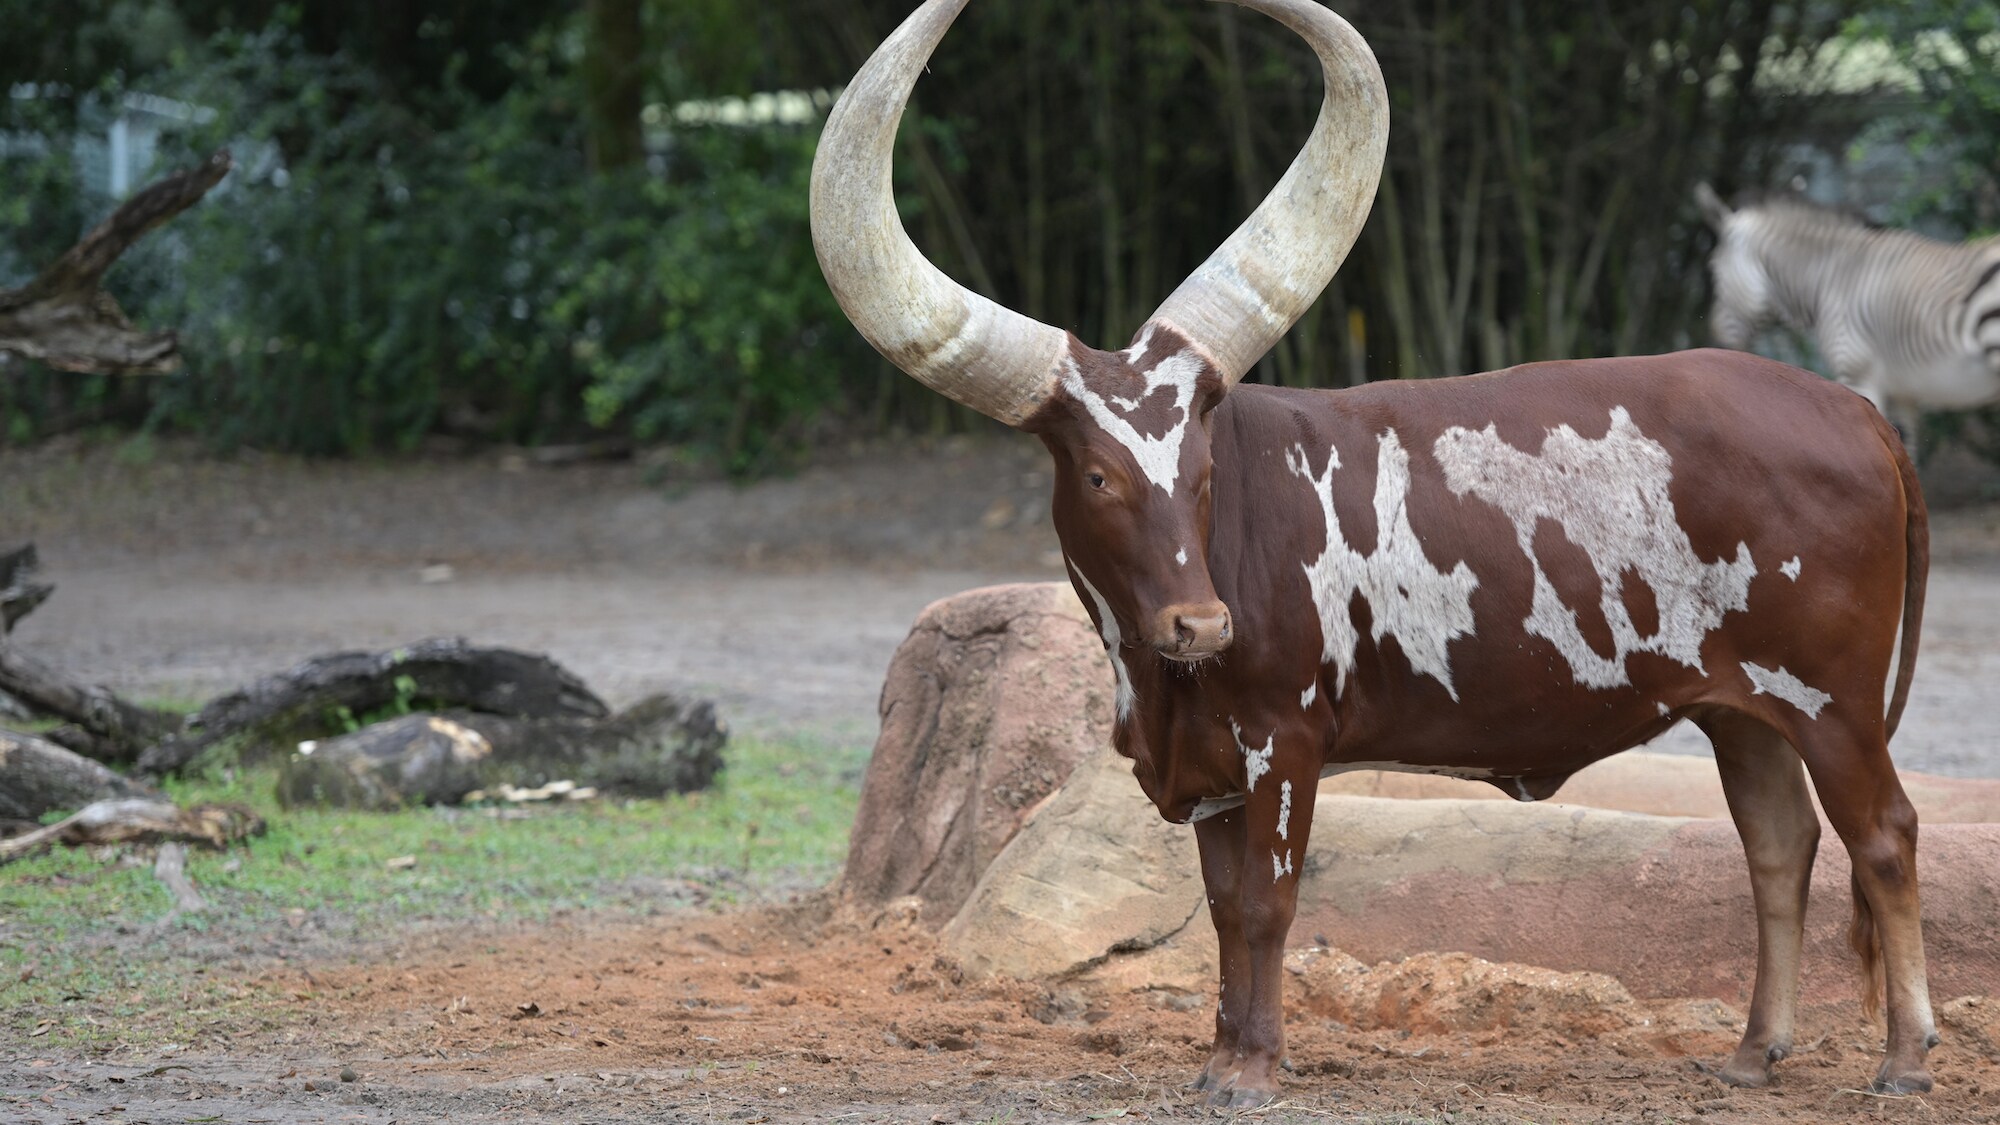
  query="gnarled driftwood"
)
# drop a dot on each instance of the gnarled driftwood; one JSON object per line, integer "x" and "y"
{"x": 64, "y": 320}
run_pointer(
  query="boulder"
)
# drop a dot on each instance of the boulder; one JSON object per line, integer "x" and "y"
{"x": 990, "y": 702}
{"x": 1091, "y": 886}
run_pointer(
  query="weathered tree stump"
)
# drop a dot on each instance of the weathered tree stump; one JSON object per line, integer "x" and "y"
{"x": 658, "y": 746}
{"x": 20, "y": 593}
{"x": 37, "y": 777}
{"x": 283, "y": 709}
{"x": 106, "y": 727}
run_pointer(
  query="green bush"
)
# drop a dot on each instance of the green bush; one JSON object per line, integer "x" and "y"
{"x": 389, "y": 277}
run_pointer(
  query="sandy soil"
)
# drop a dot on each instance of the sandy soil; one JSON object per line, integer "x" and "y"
{"x": 182, "y": 576}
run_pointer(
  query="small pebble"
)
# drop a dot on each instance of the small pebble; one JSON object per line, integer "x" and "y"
{"x": 347, "y": 1074}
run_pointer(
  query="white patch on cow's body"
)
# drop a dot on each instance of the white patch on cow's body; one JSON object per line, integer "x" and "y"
{"x": 1791, "y": 569}
{"x": 1281, "y": 868}
{"x": 1256, "y": 760}
{"x": 1157, "y": 457}
{"x": 1424, "y": 608}
{"x": 1610, "y": 496}
{"x": 1285, "y": 811}
{"x": 1180, "y": 556}
{"x": 1787, "y": 687}
{"x": 1521, "y": 791}
{"x": 1108, "y": 629}
{"x": 1664, "y": 709}
{"x": 1307, "y": 696}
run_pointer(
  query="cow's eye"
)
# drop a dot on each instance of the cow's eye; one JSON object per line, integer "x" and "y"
{"x": 1096, "y": 479}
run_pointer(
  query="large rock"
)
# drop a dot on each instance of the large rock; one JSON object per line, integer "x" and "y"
{"x": 1092, "y": 888}
{"x": 991, "y": 701}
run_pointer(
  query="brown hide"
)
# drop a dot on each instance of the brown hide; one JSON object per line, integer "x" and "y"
{"x": 1764, "y": 463}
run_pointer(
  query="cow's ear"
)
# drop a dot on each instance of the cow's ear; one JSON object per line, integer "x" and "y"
{"x": 1208, "y": 393}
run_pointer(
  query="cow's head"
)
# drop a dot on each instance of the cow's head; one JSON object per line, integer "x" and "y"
{"x": 1128, "y": 429}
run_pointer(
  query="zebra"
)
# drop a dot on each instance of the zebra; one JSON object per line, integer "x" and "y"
{"x": 1910, "y": 322}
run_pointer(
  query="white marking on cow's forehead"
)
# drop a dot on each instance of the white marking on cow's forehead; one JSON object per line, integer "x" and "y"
{"x": 1256, "y": 760}
{"x": 1787, "y": 687}
{"x": 1285, "y": 811}
{"x": 1157, "y": 457}
{"x": 1280, "y": 868}
{"x": 1424, "y": 607}
{"x": 1791, "y": 569}
{"x": 1307, "y": 696}
{"x": 1180, "y": 556}
{"x": 1610, "y": 496}
{"x": 1108, "y": 629}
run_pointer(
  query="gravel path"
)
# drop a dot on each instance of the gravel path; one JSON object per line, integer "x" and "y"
{"x": 181, "y": 576}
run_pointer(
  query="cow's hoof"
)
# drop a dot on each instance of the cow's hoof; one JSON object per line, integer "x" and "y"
{"x": 1753, "y": 1074}
{"x": 1908, "y": 1082}
{"x": 1202, "y": 1081}
{"x": 1241, "y": 1097}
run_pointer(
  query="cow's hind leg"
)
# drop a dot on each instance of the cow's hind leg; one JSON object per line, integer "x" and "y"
{"x": 1765, "y": 784}
{"x": 1222, "y": 841}
{"x": 1865, "y": 803}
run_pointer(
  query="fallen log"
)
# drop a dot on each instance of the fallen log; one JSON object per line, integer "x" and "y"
{"x": 658, "y": 746}
{"x": 139, "y": 820}
{"x": 63, "y": 318}
{"x": 38, "y": 777}
{"x": 441, "y": 673}
{"x": 119, "y": 730}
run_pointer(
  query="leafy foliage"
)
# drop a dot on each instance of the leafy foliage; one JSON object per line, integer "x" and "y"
{"x": 416, "y": 244}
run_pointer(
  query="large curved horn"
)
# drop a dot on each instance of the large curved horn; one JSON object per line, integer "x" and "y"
{"x": 1257, "y": 285}
{"x": 953, "y": 340}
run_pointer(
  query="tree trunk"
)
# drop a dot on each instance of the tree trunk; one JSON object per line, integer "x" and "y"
{"x": 613, "y": 84}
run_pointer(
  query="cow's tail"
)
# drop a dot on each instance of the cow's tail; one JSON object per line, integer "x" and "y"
{"x": 1862, "y": 936}
{"x": 1916, "y": 572}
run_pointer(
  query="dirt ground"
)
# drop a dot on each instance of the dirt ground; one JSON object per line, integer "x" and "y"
{"x": 181, "y": 576}
{"x": 775, "y": 1016}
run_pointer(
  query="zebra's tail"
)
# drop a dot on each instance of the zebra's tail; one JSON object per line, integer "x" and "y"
{"x": 1916, "y": 574}
{"x": 1713, "y": 208}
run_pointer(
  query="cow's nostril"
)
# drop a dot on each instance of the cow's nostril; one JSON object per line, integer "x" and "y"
{"x": 1183, "y": 636}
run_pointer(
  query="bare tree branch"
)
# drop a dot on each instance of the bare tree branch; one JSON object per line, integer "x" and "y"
{"x": 63, "y": 319}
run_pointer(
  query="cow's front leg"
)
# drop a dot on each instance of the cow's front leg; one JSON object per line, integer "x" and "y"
{"x": 1221, "y": 839}
{"x": 1253, "y": 894}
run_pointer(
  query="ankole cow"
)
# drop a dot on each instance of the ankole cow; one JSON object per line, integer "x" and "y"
{"x": 1504, "y": 576}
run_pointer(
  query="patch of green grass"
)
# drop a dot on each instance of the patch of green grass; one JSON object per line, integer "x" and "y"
{"x": 82, "y": 942}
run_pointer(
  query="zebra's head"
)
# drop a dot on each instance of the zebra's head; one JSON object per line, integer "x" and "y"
{"x": 1742, "y": 288}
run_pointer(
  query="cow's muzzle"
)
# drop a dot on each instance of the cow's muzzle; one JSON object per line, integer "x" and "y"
{"x": 1193, "y": 631}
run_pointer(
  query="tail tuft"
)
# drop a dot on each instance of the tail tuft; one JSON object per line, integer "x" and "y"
{"x": 1867, "y": 945}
